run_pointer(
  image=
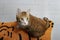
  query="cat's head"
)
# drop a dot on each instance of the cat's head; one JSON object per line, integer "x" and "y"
{"x": 22, "y": 17}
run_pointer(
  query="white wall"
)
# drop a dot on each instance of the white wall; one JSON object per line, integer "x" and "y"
{"x": 39, "y": 8}
{"x": 8, "y": 8}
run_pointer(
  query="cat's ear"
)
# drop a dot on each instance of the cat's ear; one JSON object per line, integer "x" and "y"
{"x": 18, "y": 11}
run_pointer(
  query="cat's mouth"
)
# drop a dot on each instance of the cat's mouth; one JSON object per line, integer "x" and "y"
{"x": 23, "y": 24}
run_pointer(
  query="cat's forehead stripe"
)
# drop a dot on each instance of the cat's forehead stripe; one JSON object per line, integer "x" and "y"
{"x": 23, "y": 12}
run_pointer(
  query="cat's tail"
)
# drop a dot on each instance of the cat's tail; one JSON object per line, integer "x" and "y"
{"x": 49, "y": 23}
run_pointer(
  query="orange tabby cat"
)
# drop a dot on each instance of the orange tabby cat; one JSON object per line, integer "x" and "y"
{"x": 35, "y": 27}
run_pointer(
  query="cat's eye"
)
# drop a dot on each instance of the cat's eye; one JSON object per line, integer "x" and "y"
{"x": 21, "y": 18}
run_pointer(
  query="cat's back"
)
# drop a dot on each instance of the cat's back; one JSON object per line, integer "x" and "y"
{"x": 36, "y": 21}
